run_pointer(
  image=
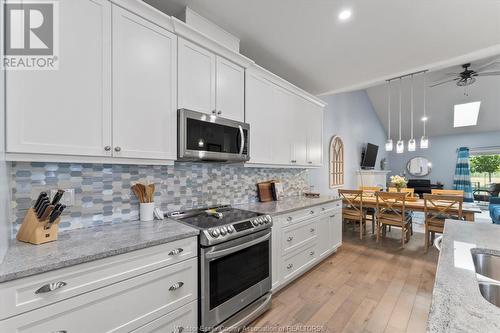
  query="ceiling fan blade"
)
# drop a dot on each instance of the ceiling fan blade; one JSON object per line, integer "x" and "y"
{"x": 488, "y": 73}
{"x": 440, "y": 83}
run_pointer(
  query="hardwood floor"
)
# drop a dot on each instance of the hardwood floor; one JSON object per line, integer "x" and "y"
{"x": 364, "y": 287}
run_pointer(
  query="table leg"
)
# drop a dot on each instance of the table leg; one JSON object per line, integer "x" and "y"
{"x": 469, "y": 216}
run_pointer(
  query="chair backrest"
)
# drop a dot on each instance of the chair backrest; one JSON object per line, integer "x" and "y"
{"x": 438, "y": 206}
{"x": 391, "y": 206}
{"x": 370, "y": 190}
{"x": 403, "y": 190}
{"x": 351, "y": 197}
{"x": 447, "y": 192}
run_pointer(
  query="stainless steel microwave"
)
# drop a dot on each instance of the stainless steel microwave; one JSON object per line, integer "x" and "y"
{"x": 207, "y": 137}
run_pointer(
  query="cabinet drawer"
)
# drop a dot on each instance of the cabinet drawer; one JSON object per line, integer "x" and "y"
{"x": 329, "y": 207}
{"x": 296, "y": 263}
{"x": 299, "y": 215}
{"x": 298, "y": 234}
{"x": 184, "y": 319}
{"x": 19, "y": 296}
{"x": 120, "y": 307}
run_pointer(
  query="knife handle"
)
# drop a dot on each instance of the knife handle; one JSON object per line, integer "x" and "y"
{"x": 39, "y": 200}
{"x": 42, "y": 209}
{"x": 46, "y": 212}
{"x": 57, "y": 197}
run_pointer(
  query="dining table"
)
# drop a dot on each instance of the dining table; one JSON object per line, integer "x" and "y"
{"x": 416, "y": 205}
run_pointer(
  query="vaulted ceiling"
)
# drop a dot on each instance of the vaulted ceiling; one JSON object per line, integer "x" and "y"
{"x": 304, "y": 42}
{"x": 440, "y": 101}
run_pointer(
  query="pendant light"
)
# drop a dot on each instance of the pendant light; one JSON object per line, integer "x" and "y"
{"x": 388, "y": 143}
{"x": 400, "y": 146}
{"x": 412, "y": 144}
{"x": 424, "y": 140}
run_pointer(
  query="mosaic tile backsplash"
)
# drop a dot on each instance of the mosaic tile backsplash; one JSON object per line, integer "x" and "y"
{"x": 103, "y": 194}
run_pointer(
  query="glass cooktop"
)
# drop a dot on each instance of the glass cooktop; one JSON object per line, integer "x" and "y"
{"x": 220, "y": 216}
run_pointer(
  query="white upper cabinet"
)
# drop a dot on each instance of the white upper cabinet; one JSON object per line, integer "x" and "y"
{"x": 209, "y": 83}
{"x": 196, "y": 77}
{"x": 144, "y": 88}
{"x": 66, "y": 111}
{"x": 259, "y": 104}
{"x": 230, "y": 92}
{"x": 314, "y": 135}
{"x": 285, "y": 126}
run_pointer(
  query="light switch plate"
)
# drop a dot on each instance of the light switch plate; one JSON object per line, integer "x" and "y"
{"x": 68, "y": 197}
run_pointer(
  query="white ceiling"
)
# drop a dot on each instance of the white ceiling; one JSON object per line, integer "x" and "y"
{"x": 302, "y": 40}
{"x": 440, "y": 102}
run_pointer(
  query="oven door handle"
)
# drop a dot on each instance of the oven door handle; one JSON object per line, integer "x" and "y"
{"x": 242, "y": 144}
{"x": 220, "y": 253}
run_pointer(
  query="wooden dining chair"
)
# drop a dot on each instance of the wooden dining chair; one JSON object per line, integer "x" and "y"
{"x": 391, "y": 211}
{"x": 352, "y": 209}
{"x": 447, "y": 192}
{"x": 369, "y": 211}
{"x": 438, "y": 208}
{"x": 409, "y": 190}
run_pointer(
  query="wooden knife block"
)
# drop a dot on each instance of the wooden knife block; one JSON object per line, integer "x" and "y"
{"x": 35, "y": 231}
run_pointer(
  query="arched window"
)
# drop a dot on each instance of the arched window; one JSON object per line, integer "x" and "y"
{"x": 336, "y": 162}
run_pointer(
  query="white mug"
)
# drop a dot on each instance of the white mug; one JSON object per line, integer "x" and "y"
{"x": 146, "y": 211}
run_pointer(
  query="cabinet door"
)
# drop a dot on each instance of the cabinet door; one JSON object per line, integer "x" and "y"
{"x": 282, "y": 120}
{"x": 300, "y": 120}
{"x": 276, "y": 253}
{"x": 230, "y": 91}
{"x": 335, "y": 219}
{"x": 324, "y": 234}
{"x": 66, "y": 111}
{"x": 259, "y": 114}
{"x": 196, "y": 77}
{"x": 315, "y": 135}
{"x": 144, "y": 88}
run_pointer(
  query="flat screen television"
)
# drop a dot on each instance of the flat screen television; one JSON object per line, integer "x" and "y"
{"x": 369, "y": 156}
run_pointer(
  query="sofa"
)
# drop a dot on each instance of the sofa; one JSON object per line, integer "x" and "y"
{"x": 495, "y": 209}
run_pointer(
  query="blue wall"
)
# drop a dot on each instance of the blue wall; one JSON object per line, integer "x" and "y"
{"x": 442, "y": 154}
{"x": 352, "y": 117}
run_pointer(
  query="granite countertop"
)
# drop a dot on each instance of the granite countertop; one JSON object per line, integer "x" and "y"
{"x": 286, "y": 205}
{"x": 457, "y": 304}
{"x": 84, "y": 245}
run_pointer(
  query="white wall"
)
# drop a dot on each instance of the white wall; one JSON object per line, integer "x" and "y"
{"x": 442, "y": 153}
{"x": 352, "y": 117}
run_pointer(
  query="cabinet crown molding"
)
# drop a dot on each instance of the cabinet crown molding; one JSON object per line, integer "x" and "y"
{"x": 147, "y": 12}
{"x": 198, "y": 37}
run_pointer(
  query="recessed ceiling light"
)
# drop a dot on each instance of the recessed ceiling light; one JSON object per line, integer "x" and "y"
{"x": 466, "y": 114}
{"x": 345, "y": 14}
{"x": 425, "y": 118}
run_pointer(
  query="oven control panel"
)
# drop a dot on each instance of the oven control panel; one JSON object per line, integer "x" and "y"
{"x": 226, "y": 232}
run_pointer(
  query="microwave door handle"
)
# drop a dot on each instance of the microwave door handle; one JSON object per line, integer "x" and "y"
{"x": 224, "y": 252}
{"x": 242, "y": 144}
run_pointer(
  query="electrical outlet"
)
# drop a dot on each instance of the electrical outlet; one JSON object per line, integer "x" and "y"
{"x": 68, "y": 197}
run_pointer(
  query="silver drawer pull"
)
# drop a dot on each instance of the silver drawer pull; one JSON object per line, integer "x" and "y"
{"x": 312, "y": 229}
{"x": 176, "y": 286}
{"x": 311, "y": 253}
{"x": 289, "y": 239}
{"x": 62, "y": 331}
{"x": 289, "y": 218}
{"x": 175, "y": 252}
{"x": 50, "y": 287}
{"x": 289, "y": 266}
{"x": 332, "y": 216}
{"x": 311, "y": 212}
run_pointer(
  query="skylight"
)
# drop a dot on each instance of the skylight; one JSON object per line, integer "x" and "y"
{"x": 466, "y": 114}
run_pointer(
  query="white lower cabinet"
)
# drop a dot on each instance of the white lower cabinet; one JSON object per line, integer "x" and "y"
{"x": 148, "y": 301}
{"x": 302, "y": 239}
{"x": 184, "y": 319}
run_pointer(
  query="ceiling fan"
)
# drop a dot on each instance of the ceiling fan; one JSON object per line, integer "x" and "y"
{"x": 468, "y": 76}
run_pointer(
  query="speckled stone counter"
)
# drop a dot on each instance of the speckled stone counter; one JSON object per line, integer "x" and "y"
{"x": 286, "y": 205}
{"x": 84, "y": 245}
{"x": 457, "y": 304}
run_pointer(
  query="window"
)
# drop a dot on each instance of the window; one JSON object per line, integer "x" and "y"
{"x": 336, "y": 162}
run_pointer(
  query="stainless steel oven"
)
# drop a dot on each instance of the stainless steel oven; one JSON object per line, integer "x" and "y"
{"x": 207, "y": 137}
{"x": 235, "y": 274}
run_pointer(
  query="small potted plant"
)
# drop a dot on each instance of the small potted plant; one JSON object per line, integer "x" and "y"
{"x": 399, "y": 182}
